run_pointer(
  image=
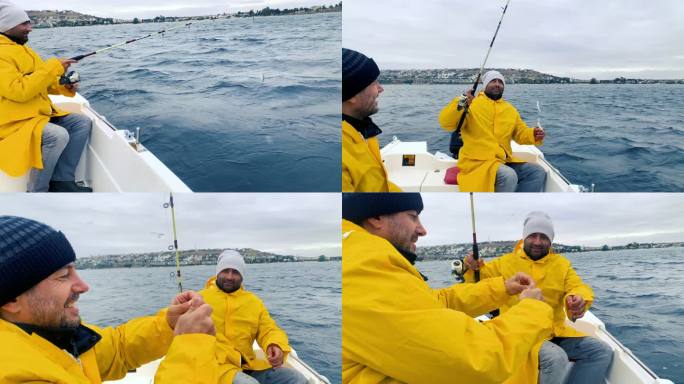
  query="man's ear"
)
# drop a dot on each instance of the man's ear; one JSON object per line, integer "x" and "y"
{"x": 375, "y": 223}
{"x": 11, "y": 307}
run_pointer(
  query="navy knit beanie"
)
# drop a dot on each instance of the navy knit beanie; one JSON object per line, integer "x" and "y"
{"x": 29, "y": 252}
{"x": 356, "y": 207}
{"x": 358, "y": 72}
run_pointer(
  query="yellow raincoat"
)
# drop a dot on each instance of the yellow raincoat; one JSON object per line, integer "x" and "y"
{"x": 25, "y": 108}
{"x": 240, "y": 318}
{"x": 487, "y": 132}
{"x": 29, "y": 358}
{"x": 396, "y": 329}
{"x": 556, "y": 278}
{"x": 362, "y": 168}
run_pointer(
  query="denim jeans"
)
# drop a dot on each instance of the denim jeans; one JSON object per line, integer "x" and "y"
{"x": 62, "y": 143}
{"x": 270, "y": 376}
{"x": 592, "y": 359}
{"x": 520, "y": 177}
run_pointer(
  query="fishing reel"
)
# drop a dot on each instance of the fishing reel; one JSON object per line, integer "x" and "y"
{"x": 458, "y": 269}
{"x": 69, "y": 78}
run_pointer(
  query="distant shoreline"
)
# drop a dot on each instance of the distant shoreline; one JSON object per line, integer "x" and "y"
{"x": 54, "y": 19}
{"x": 512, "y": 75}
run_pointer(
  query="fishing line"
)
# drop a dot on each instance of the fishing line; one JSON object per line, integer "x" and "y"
{"x": 72, "y": 77}
{"x": 81, "y": 57}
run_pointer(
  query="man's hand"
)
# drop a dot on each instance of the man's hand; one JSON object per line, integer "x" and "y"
{"x": 532, "y": 293}
{"x": 180, "y": 304}
{"x": 471, "y": 264}
{"x": 539, "y": 134}
{"x": 274, "y": 355}
{"x": 197, "y": 319}
{"x": 575, "y": 307}
{"x": 469, "y": 96}
{"x": 519, "y": 283}
{"x": 66, "y": 63}
{"x": 71, "y": 87}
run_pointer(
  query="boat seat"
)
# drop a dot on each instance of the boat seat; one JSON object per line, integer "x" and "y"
{"x": 451, "y": 176}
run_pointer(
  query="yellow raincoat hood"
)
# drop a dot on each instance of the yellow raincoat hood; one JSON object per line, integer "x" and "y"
{"x": 487, "y": 132}
{"x": 25, "y": 108}
{"x": 240, "y": 318}
{"x": 362, "y": 168}
{"x": 396, "y": 329}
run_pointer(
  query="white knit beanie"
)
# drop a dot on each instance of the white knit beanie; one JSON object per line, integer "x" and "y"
{"x": 491, "y": 75}
{"x": 538, "y": 222}
{"x": 231, "y": 258}
{"x": 11, "y": 16}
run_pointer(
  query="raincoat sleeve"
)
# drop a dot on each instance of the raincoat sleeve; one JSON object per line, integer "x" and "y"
{"x": 522, "y": 134}
{"x": 269, "y": 333}
{"x": 57, "y": 89}
{"x": 190, "y": 360}
{"x": 132, "y": 344}
{"x": 21, "y": 88}
{"x": 474, "y": 299}
{"x": 441, "y": 343}
{"x": 450, "y": 115}
{"x": 575, "y": 286}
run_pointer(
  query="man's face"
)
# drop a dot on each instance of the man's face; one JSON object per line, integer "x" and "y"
{"x": 404, "y": 229}
{"x": 52, "y": 302}
{"x": 536, "y": 245}
{"x": 495, "y": 87}
{"x": 366, "y": 101}
{"x": 20, "y": 32}
{"x": 229, "y": 280}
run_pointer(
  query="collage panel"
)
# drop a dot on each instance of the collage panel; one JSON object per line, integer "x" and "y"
{"x": 512, "y": 96}
{"x": 111, "y": 96}
{"x": 188, "y": 288}
{"x": 514, "y": 288}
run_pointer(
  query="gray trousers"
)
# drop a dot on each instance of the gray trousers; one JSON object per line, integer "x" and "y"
{"x": 62, "y": 143}
{"x": 281, "y": 375}
{"x": 592, "y": 359}
{"x": 520, "y": 177}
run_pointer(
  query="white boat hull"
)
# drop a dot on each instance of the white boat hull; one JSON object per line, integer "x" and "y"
{"x": 112, "y": 161}
{"x": 410, "y": 166}
{"x": 145, "y": 374}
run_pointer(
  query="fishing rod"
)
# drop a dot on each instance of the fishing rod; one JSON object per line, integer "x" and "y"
{"x": 479, "y": 74}
{"x": 81, "y": 57}
{"x": 179, "y": 279}
{"x": 476, "y": 251}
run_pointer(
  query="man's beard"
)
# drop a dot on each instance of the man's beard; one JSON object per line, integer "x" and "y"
{"x": 528, "y": 251}
{"x": 18, "y": 40}
{"x": 228, "y": 288}
{"x": 46, "y": 312}
{"x": 494, "y": 96}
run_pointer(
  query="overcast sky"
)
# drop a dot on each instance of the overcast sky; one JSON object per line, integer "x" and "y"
{"x": 577, "y": 38}
{"x": 128, "y": 9}
{"x": 303, "y": 224}
{"x": 590, "y": 219}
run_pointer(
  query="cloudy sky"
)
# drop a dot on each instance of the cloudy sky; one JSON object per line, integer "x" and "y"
{"x": 299, "y": 224}
{"x": 577, "y": 38}
{"x": 128, "y": 9}
{"x": 590, "y": 219}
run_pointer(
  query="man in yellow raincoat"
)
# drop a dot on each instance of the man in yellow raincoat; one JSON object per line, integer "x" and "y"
{"x": 565, "y": 292}
{"x": 362, "y": 168}
{"x": 241, "y": 318}
{"x": 43, "y": 339}
{"x": 34, "y": 135}
{"x": 396, "y": 329}
{"x": 486, "y": 160}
